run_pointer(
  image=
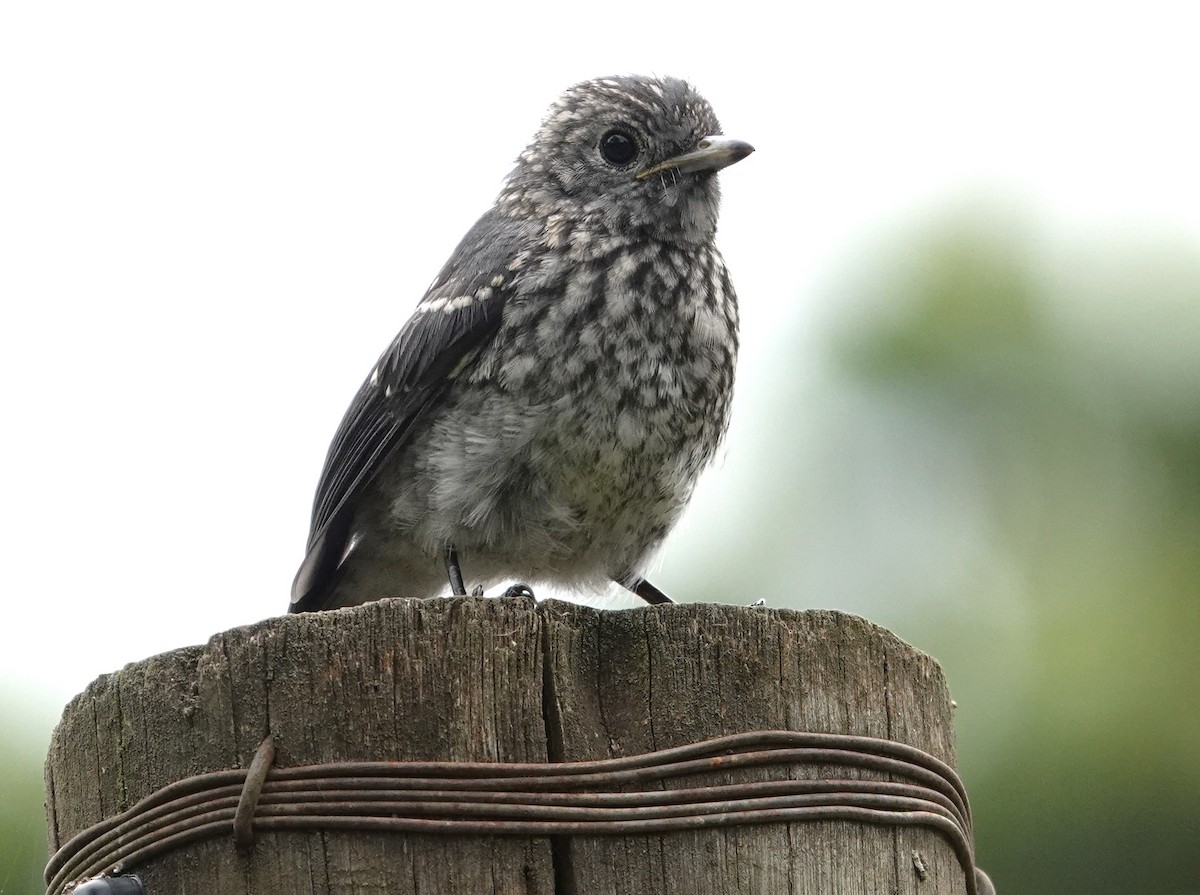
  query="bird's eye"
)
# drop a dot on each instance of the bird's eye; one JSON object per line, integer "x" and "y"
{"x": 618, "y": 147}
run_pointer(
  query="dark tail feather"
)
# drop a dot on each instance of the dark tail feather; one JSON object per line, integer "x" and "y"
{"x": 315, "y": 579}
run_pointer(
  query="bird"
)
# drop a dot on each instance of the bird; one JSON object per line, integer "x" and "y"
{"x": 545, "y": 412}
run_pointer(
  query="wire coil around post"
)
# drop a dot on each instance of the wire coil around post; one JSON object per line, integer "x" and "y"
{"x": 585, "y": 798}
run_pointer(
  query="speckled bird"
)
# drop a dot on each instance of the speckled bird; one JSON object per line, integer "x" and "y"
{"x": 544, "y": 414}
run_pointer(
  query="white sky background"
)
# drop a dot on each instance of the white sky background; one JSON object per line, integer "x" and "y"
{"x": 213, "y": 217}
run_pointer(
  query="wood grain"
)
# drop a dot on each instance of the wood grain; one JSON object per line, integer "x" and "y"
{"x": 505, "y": 680}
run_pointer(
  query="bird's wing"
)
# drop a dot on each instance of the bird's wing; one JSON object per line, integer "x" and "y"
{"x": 459, "y": 313}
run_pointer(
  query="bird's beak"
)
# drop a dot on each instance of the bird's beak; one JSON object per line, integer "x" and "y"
{"x": 711, "y": 154}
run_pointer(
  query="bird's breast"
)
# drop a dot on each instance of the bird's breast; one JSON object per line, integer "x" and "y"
{"x": 580, "y": 428}
{"x": 628, "y": 358}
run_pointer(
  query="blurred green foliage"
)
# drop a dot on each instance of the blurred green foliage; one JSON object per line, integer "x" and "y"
{"x": 991, "y": 445}
{"x": 24, "y": 737}
{"x": 1085, "y": 462}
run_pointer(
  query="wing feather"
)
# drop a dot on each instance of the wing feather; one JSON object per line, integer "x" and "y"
{"x": 458, "y": 315}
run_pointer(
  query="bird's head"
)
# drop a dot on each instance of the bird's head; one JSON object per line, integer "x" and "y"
{"x": 625, "y": 154}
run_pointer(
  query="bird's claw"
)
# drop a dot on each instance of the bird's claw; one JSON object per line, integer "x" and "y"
{"x": 520, "y": 592}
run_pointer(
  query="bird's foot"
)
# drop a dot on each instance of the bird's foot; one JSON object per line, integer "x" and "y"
{"x": 477, "y": 590}
{"x": 520, "y": 591}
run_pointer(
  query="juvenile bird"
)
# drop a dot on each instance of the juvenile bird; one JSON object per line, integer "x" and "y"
{"x": 544, "y": 414}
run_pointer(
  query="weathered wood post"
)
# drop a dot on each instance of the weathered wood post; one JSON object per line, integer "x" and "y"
{"x": 507, "y": 681}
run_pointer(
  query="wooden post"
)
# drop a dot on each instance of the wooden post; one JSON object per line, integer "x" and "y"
{"x": 504, "y": 680}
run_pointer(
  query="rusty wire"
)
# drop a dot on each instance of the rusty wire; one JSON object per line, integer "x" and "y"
{"x": 582, "y": 798}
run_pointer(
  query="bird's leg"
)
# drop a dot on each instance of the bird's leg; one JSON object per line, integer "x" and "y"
{"x": 454, "y": 570}
{"x": 647, "y": 591}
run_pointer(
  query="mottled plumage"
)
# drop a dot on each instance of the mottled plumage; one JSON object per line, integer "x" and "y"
{"x": 547, "y": 409}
